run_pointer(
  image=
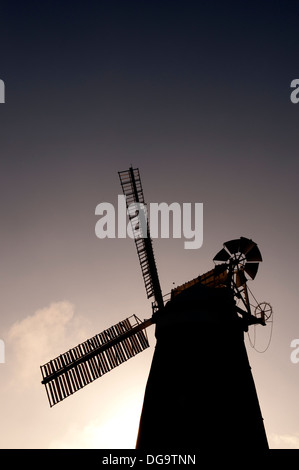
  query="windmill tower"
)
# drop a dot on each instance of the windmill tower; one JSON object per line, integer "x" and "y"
{"x": 200, "y": 390}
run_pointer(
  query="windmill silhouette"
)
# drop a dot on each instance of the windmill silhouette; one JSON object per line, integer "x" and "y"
{"x": 200, "y": 390}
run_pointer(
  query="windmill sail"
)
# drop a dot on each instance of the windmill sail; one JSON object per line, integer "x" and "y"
{"x": 88, "y": 361}
{"x": 132, "y": 189}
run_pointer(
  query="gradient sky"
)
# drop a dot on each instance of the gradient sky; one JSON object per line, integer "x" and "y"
{"x": 197, "y": 95}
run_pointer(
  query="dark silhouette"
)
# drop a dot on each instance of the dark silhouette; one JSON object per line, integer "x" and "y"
{"x": 200, "y": 393}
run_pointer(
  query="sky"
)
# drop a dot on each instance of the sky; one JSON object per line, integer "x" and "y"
{"x": 196, "y": 94}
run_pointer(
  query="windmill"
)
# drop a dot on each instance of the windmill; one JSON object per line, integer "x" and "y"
{"x": 200, "y": 381}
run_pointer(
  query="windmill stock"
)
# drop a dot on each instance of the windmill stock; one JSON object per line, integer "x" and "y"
{"x": 200, "y": 391}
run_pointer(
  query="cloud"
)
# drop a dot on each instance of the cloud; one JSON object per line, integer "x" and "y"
{"x": 40, "y": 337}
{"x": 284, "y": 441}
{"x": 30, "y": 343}
{"x": 80, "y": 423}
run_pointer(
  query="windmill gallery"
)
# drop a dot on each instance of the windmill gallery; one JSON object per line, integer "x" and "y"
{"x": 190, "y": 399}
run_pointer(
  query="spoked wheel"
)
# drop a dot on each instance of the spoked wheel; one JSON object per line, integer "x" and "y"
{"x": 264, "y": 311}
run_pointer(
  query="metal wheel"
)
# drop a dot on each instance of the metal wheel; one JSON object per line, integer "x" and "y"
{"x": 263, "y": 310}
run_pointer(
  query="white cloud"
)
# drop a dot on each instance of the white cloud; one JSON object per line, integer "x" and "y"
{"x": 284, "y": 441}
{"x": 30, "y": 343}
{"x": 40, "y": 337}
